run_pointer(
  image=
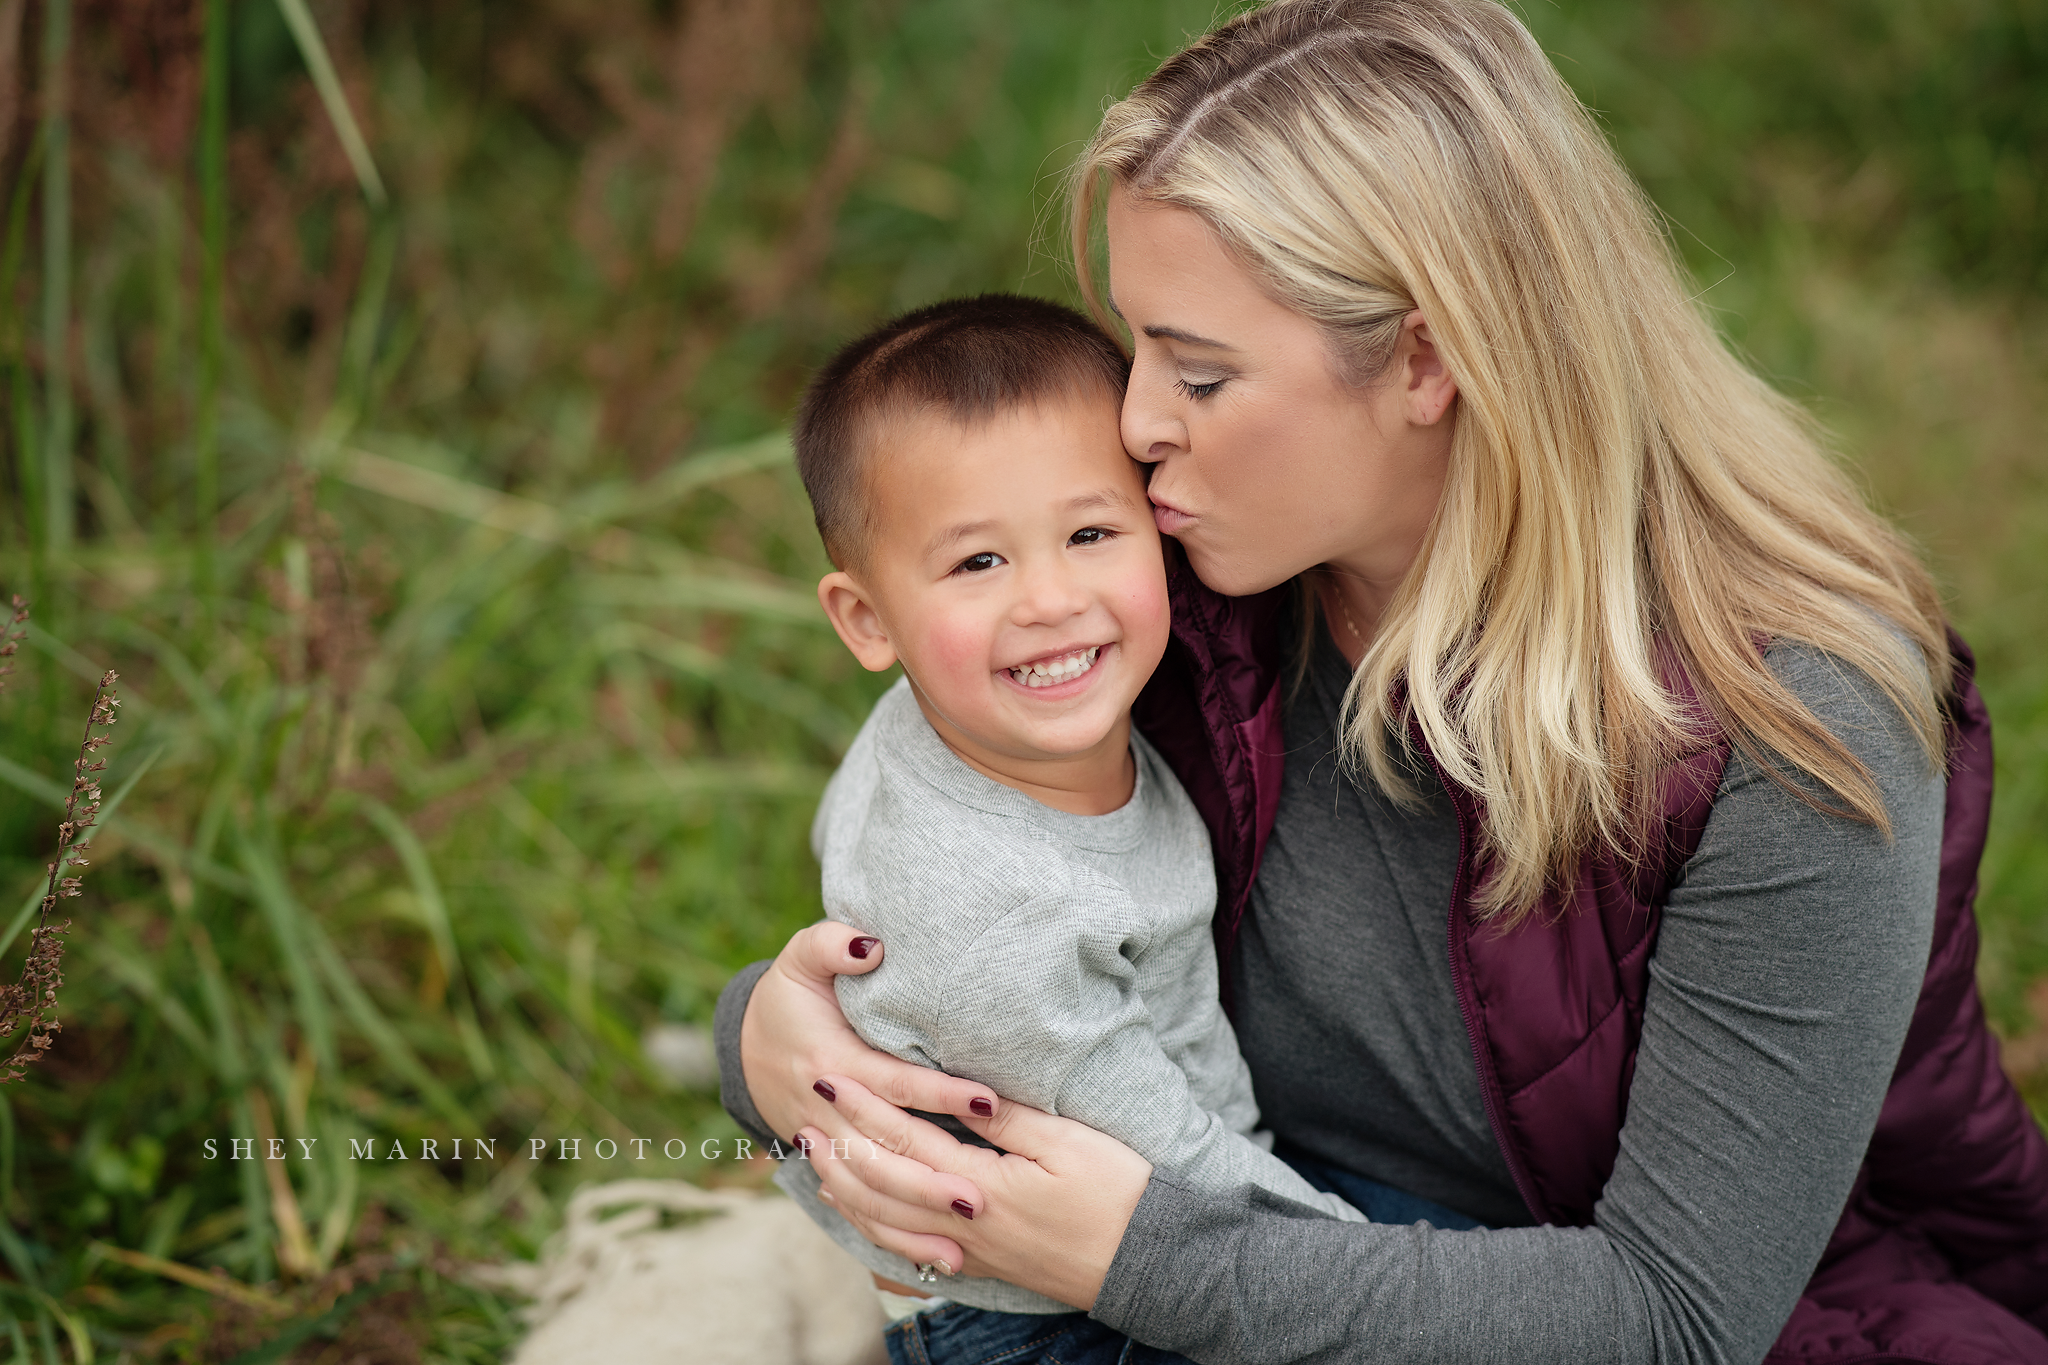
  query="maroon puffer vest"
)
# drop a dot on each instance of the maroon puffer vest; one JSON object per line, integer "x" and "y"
{"x": 1941, "y": 1255}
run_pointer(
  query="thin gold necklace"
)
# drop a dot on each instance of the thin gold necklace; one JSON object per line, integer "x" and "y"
{"x": 1344, "y": 607}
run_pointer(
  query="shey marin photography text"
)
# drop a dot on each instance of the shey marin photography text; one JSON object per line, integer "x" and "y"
{"x": 443, "y": 1149}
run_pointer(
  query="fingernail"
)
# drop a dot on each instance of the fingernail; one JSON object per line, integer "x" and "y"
{"x": 963, "y": 1208}
{"x": 799, "y": 1143}
{"x": 861, "y": 947}
{"x": 827, "y": 1091}
{"x": 981, "y": 1108}
{"x": 943, "y": 1267}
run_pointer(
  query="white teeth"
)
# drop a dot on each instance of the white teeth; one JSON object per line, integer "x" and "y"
{"x": 1049, "y": 672}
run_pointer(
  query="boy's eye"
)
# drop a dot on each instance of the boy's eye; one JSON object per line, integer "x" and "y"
{"x": 978, "y": 563}
{"x": 1197, "y": 391}
{"x": 1090, "y": 535}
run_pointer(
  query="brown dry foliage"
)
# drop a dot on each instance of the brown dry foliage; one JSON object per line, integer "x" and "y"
{"x": 644, "y": 100}
{"x": 32, "y": 1000}
{"x": 384, "y": 1328}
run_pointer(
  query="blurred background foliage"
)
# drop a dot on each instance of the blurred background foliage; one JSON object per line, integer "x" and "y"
{"x": 430, "y": 501}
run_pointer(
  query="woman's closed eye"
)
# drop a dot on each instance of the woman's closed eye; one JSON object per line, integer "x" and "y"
{"x": 1197, "y": 391}
{"x": 980, "y": 563}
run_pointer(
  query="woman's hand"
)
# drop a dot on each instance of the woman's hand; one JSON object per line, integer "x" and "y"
{"x": 1049, "y": 1215}
{"x": 793, "y": 1033}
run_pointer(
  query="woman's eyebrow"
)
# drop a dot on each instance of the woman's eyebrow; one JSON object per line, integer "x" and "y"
{"x": 1187, "y": 338}
{"x": 1173, "y": 333}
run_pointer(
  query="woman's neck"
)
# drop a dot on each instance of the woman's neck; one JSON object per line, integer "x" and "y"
{"x": 1353, "y": 605}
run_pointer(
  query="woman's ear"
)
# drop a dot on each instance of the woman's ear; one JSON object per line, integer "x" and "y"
{"x": 852, "y": 612}
{"x": 1426, "y": 382}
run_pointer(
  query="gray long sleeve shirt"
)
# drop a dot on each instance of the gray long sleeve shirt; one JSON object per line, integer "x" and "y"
{"x": 1786, "y": 968}
{"x": 1063, "y": 960}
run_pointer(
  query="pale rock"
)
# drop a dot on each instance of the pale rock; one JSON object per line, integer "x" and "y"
{"x": 747, "y": 1280}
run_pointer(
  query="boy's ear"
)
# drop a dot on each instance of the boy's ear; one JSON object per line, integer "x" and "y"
{"x": 853, "y": 615}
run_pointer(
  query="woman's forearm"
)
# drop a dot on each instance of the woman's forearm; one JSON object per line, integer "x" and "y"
{"x": 1249, "y": 1279}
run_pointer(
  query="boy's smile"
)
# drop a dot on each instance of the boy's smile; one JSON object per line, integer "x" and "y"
{"x": 1013, "y": 568}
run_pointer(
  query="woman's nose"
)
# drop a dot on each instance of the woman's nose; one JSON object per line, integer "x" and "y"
{"x": 1152, "y": 429}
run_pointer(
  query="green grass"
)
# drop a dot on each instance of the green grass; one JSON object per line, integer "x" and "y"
{"x": 461, "y": 591}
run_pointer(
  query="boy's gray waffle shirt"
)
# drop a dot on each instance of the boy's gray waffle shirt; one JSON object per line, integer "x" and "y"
{"x": 1064, "y": 961}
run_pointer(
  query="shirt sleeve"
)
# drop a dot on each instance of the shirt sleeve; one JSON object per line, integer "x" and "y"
{"x": 1044, "y": 1009}
{"x": 1784, "y": 978}
{"x": 725, "y": 1037}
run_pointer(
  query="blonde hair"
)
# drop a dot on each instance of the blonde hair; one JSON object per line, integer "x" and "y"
{"x": 1623, "y": 494}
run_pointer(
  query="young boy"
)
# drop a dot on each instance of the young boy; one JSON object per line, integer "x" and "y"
{"x": 1042, "y": 884}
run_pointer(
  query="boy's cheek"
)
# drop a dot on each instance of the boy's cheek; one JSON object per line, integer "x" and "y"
{"x": 1151, "y": 620}
{"x": 959, "y": 652}
{"x": 1143, "y": 604}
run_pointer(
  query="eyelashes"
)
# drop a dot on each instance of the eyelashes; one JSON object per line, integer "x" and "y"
{"x": 1198, "y": 391}
{"x": 989, "y": 559}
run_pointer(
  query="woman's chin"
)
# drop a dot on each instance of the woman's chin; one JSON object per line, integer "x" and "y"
{"x": 1236, "y": 575}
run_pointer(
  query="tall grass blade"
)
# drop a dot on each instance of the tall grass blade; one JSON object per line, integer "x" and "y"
{"x": 81, "y": 1340}
{"x": 58, "y": 486}
{"x": 687, "y": 476}
{"x": 289, "y": 925}
{"x": 738, "y": 597}
{"x": 126, "y": 962}
{"x": 230, "y": 1053}
{"x": 370, "y": 1021}
{"x": 17, "y": 237}
{"x": 14, "y": 338}
{"x": 434, "y": 908}
{"x": 366, "y": 318}
{"x": 321, "y": 67}
{"x": 213, "y": 250}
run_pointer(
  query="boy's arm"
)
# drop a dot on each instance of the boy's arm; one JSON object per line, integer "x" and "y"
{"x": 1043, "y": 1008}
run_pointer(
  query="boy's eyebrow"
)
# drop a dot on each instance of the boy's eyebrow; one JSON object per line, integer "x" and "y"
{"x": 1112, "y": 498}
{"x": 1101, "y": 497}
{"x": 953, "y": 535}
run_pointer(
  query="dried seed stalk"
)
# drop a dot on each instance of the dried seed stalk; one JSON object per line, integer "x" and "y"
{"x": 11, "y": 637}
{"x": 34, "y": 997}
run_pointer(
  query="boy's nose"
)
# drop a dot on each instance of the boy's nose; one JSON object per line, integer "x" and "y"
{"x": 1051, "y": 594}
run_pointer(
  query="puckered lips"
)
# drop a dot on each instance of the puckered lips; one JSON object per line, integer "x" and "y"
{"x": 1169, "y": 519}
{"x": 1056, "y": 675}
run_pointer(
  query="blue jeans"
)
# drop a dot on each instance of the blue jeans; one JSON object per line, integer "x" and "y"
{"x": 1380, "y": 1203}
{"x": 958, "y": 1335}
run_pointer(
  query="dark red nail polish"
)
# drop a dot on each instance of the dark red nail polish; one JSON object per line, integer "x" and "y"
{"x": 799, "y": 1143}
{"x": 861, "y": 947}
{"x": 963, "y": 1208}
{"x": 981, "y": 1108}
{"x": 827, "y": 1091}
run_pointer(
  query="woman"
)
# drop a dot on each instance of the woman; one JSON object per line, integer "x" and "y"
{"x": 1518, "y": 595}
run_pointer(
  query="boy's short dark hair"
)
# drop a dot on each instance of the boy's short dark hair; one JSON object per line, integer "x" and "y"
{"x": 969, "y": 359}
